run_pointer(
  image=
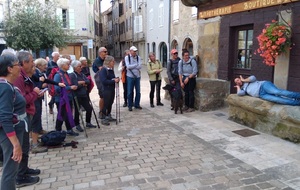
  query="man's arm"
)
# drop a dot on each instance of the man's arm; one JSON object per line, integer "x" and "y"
{"x": 252, "y": 78}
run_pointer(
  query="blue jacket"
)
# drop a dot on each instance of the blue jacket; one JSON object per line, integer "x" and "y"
{"x": 81, "y": 90}
{"x": 60, "y": 76}
{"x": 106, "y": 76}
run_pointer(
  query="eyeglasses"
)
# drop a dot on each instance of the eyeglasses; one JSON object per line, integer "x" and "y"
{"x": 17, "y": 64}
{"x": 104, "y": 51}
{"x": 175, "y": 53}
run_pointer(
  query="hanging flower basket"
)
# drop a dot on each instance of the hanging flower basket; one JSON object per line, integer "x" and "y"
{"x": 274, "y": 40}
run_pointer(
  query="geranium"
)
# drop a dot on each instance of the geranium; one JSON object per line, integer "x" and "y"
{"x": 273, "y": 41}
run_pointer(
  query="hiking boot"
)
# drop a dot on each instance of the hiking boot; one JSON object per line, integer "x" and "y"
{"x": 26, "y": 181}
{"x": 89, "y": 125}
{"x": 32, "y": 172}
{"x": 138, "y": 107}
{"x": 125, "y": 104}
{"x": 105, "y": 122}
{"x": 152, "y": 105}
{"x": 38, "y": 149}
{"x": 110, "y": 118}
{"x": 72, "y": 133}
{"x": 190, "y": 110}
{"x": 160, "y": 104}
{"x": 130, "y": 109}
{"x": 79, "y": 128}
{"x": 42, "y": 132}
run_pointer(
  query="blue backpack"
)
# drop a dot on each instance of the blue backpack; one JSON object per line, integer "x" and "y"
{"x": 54, "y": 138}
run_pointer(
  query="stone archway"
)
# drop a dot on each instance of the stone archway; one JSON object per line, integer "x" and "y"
{"x": 188, "y": 45}
{"x": 174, "y": 44}
{"x": 163, "y": 54}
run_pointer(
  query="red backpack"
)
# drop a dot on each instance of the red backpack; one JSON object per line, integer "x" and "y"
{"x": 51, "y": 88}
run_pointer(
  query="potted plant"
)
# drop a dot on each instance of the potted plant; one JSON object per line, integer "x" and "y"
{"x": 274, "y": 40}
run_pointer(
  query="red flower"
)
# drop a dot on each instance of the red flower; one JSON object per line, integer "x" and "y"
{"x": 274, "y": 40}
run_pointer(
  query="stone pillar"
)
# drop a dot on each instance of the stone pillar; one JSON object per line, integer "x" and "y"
{"x": 281, "y": 69}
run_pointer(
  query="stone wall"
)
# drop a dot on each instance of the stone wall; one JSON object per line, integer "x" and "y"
{"x": 279, "y": 120}
{"x": 210, "y": 94}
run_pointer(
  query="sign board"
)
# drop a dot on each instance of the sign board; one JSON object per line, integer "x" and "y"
{"x": 90, "y": 43}
{"x": 240, "y": 7}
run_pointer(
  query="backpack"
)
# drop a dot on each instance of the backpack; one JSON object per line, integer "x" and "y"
{"x": 98, "y": 80}
{"x": 137, "y": 59}
{"x": 51, "y": 77}
{"x": 54, "y": 138}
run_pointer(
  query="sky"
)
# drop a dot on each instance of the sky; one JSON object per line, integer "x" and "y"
{"x": 105, "y": 4}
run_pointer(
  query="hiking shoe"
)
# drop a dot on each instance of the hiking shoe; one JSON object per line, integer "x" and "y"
{"x": 129, "y": 109}
{"x": 79, "y": 128}
{"x": 72, "y": 133}
{"x": 152, "y": 105}
{"x": 38, "y": 149}
{"x": 160, "y": 104}
{"x": 32, "y": 172}
{"x": 125, "y": 104}
{"x": 138, "y": 107}
{"x": 89, "y": 125}
{"x": 101, "y": 116}
{"x": 190, "y": 110}
{"x": 26, "y": 181}
{"x": 110, "y": 118}
{"x": 105, "y": 122}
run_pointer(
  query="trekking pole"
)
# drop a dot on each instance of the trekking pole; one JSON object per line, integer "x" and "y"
{"x": 94, "y": 112}
{"x": 119, "y": 101}
{"x": 45, "y": 100}
{"x": 80, "y": 114}
{"x": 117, "y": 92}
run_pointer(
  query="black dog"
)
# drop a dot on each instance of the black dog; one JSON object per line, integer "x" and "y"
{"x": 176, "y": 97}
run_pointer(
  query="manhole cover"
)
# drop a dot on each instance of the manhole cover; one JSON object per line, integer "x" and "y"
{"x": 245, "y": 132}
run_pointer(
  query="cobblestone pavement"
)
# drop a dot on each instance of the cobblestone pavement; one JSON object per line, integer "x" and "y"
{"x": 153, "y": 148}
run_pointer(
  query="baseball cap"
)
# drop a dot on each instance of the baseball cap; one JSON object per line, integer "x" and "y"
{"x": 133, "y": 48}
{"x": 174, "y": 51}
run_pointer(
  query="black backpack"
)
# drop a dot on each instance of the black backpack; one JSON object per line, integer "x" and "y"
{"x": 54, "y": 138}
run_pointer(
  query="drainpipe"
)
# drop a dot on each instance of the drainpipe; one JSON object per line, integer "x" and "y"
{"x": 169, "y": 32}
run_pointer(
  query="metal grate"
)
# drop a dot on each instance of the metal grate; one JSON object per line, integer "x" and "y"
{"x": 245, "y": 132}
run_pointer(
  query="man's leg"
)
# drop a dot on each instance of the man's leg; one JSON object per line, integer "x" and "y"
{"x": 270, "y": 88}
{"x": 130, "y": 85}
{"x": 125, "y": 94}
{"x": 191, "y": 85}
{"x": 138, "y": 92}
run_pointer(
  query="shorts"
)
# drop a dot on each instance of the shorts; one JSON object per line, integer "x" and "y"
{"x": 100, "y": 92}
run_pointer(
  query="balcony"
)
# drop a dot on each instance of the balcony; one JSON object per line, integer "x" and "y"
{"x": 139, "y": 36}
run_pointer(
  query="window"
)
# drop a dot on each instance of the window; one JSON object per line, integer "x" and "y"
{"x": 176, "y": 11}
{"x": 64, "y": 18}
{"x": 194, "y": 11}
{"x": 151, "y": 19}
{"x": 138, "y": 24}
{"x": 161, "y": 15}
{"x": 1, "y": 16}
{"x": 244, "y": 49}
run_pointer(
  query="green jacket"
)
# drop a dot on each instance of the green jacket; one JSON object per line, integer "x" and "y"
{"x": 152, "y": 67}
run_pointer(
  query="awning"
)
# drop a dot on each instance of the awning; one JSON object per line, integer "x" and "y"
{"x": 192, "y": 3}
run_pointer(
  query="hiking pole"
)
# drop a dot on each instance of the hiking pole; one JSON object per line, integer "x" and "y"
{"x": 94, "y": 112}
{"x": 116, "y": 103}
{"x": 80, "y": 114}
{"x": 119, "y": 101}
{"x": 45, "y": 100}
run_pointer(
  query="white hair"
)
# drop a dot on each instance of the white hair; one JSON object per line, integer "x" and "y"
{"x": 75, "y": 63}
{"x": 54, "y": 53}
{"x": 8, "y": 51}
{"x": 82, "y": 59}
{"x": 62, "y": 61}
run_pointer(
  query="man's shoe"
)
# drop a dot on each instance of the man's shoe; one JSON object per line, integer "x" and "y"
{"x": 138, "y": 107}
{"x": 172, "y": 108}
{"x": 51, "y": 110}
{"x": 32, "y": 172}
{"x": 79, "y": 128}
{"x": 101, "y": 116}
{"x": 42, "y": 132}
{"x": 159, "y": 104}
{"x": 125, "y": 104}
{"x": 152, "y": 105}
{"x": 72, "y": 133}
{"x": 109, "y": 118}
{"x": 129, "y": 109}
{"x": 105, "y": 122}
{"x": 38, "y": 149}
{"x": 190, "y": 110}
{"x": 89, "y": 125}
{"x": 185, "y": 108}
{"x": 26, "y": 181}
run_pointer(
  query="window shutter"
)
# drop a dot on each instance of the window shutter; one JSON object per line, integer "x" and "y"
{"x": 140, "y": 23}
{"x": 71, "y": 19}
{"x": 59, "y": 13}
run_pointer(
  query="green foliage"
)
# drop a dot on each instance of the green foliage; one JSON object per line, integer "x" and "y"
{"x": 34, "y": 26}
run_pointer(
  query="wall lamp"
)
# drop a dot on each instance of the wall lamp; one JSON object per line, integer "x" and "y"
{"x": 140, "y": 5}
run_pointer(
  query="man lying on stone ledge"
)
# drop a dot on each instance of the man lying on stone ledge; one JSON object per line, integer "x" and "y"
{"x": 266, "y": 90}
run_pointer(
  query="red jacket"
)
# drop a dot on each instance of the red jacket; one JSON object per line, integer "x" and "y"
{"x": 25, "y": 84}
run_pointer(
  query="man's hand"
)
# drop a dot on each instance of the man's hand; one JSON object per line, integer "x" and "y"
{"x": 74, "y": 87}
{"x": 37, "y": 90}
{"x": 186, "y": 80}
{"x": 242, "y": 78}
{"x": 61, "y": 85}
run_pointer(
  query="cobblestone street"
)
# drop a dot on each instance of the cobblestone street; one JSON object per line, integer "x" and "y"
{"x": 153, "y": 148}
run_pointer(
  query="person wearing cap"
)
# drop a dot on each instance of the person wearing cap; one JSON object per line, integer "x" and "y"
{"x": 133, "y": 66}
{"x": 172, "y": 70}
